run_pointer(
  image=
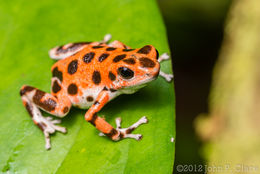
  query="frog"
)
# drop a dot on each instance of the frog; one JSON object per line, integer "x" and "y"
{"x": 88, "y": 75}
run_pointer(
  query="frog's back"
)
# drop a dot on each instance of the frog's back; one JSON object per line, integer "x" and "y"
{"x": 90, "y": 67}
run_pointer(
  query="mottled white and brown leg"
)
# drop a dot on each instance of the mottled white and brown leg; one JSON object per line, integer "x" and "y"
{"x": 61, "y": 52}
{"x": 34, "y": 100}
{"x": 167, "y": 77}
{"x": 106, "y": 128}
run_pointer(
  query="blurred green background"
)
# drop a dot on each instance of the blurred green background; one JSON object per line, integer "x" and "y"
{"x": 195, "y": 33}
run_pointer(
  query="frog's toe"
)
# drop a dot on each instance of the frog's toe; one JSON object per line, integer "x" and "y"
{"x": 51, "y": 126}
{"x": 101, "y": 134}
{"x": 167, "y": 77}
{"x": 163, "y": 57}
{"x": 107, "y": 38}
{"x": 50, "y": 119}
{"x": 47, "y": 140}
{"x": 135, "y": 136}
{"x": 60, "y": 129}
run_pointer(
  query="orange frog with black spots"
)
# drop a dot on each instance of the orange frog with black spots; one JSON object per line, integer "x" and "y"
{"x": 89, "y": 75}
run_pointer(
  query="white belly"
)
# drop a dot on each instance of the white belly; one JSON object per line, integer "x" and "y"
{"x": 87, "y": 99}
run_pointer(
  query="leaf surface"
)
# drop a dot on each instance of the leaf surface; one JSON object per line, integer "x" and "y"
{"x": 28, "y": 30}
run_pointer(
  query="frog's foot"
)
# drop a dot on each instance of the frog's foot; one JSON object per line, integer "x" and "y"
{"x": 106, "y": 39}
{"x": 48, "y": 126}
{"x": 126, "y": 132}
{"x": 167, "y": 77}
{"x": 163, "y": 57}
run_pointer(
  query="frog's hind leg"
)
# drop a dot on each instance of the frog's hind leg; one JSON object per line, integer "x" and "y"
{"x": 61, "y": 52}
{"x": 167, "y": 77}
{"x": 34, "y": 100}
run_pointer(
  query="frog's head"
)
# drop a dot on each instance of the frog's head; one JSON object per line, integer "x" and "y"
{"x": 135, "y": 69}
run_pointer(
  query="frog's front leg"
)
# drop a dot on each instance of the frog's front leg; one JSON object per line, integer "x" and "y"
{"x": 106, "y": 128}
{"x": 167, "y": 77}
{"x": 33, "y": 99}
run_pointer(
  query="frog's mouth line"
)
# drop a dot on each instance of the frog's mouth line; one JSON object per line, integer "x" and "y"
{"x": 141, "y": 84}
{"x": 132, "y": 89}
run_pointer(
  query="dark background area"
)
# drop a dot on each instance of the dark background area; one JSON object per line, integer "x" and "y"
{"x": 195, "y": 33}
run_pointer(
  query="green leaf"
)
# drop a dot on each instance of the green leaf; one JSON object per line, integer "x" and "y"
{"x": 28, "y": 30}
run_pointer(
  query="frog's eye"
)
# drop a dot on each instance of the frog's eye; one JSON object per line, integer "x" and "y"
{"x": 126, "y": 73}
